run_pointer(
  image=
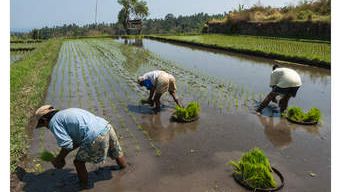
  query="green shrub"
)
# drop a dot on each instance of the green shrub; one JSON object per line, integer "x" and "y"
{"x": 186, "y": 113}
{"x": 297, "y": 114}
{"x": 46, "y": 156}
{"x": 254, "y": 169}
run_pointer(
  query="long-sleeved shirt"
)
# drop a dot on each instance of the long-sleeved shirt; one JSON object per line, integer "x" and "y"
{"x": 75, "y": 126}
{"x": 284, "y": 78}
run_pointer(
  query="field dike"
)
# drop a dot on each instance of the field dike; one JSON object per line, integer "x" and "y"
{"x": 29, "y": 82}
{"x": 314, "y": 53}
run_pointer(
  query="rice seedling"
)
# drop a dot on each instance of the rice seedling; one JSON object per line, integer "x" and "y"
{"x": 307, "y": 51}
{"x": 236, "y": 103}
{"x": 46, "y": 156}
{"x": 187, "y": 113}
{"x": 254, "y": 169}
{"x": 296, "y": 113}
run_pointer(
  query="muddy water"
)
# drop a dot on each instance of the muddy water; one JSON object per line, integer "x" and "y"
{"x": 98, "y": 75}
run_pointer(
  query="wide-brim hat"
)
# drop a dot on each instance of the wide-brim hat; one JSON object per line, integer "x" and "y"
{"x": 43, "y": 110}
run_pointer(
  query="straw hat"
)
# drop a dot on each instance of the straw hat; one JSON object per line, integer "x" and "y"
{"x": 43, "y": 110}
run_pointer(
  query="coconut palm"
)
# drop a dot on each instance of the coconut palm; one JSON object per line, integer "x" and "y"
{"x": 139, "y": 10}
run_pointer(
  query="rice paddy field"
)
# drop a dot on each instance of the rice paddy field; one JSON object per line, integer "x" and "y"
{"x": 310, "y": 52}
{"x": 100, "y": 75}
{"x": 21, "y": 49}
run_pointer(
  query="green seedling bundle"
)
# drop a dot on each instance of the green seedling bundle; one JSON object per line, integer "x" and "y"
{"x": 254, "y": 170}
{"x": 187, "y": 113}
{"x": 297, "y": 114}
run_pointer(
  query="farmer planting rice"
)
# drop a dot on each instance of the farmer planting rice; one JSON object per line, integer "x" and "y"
{"x": 284, "y": 82}
{"x": 158, "y": 82}
{"x": 74, "y": 128}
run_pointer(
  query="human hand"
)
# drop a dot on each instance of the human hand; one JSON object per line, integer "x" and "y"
{"x": 58, "y": 163}
{"x": 150, "y": 102}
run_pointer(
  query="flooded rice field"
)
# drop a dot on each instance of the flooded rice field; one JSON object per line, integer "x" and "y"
{"x": 100, "y": 75}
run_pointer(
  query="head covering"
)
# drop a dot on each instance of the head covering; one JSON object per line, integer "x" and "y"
{"x": 140, "y": 79}
{"x": 43, "y": 110}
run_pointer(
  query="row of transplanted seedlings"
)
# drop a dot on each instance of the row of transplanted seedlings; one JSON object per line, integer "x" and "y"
{"x": 194, "y": 84}
{"x": 130, "y": 96}
{"x": 93, "y": 57}
{"x": 113, "y": 63}
{"x": 107, "y": 90}
{"x": 52, "y": 98}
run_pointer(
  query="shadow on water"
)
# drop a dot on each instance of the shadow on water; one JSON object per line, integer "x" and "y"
{"x": 145, "y": 109}
{"x": 279, "y": 131}
{"x": 61, "y": 179}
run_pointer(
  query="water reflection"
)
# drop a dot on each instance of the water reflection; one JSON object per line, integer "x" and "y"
{"x": 161, "y": 129}
{"x": 134, "y": 58}
{"x": 249, "y": 73}
{"x": 138, "y": 42}
{"x": 278, "y": 130}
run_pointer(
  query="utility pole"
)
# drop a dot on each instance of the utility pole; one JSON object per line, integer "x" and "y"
{"x": 96, "y": 13}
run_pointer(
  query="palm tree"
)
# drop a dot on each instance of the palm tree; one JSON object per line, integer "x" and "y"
{"x": 138, "y": 8}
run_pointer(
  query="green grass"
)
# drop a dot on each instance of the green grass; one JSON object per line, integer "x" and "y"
{"x": 297, "y": 114}
{"x": 254, "y": 169}
{"x": 29, "y": 82}
{"x": 187, "y": 113}
{"x": 310, "y": 52}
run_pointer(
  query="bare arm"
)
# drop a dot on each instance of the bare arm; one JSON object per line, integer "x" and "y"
{"x": 175, "y": 99}
{"x": 152, "y": 91}
{"x": 59, "y": 161}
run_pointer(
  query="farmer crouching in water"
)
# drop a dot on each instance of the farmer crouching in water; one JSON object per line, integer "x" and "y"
{"x": 74, "y": 128}
{"x": 158, "y": 82}
{"x": 284, "y": 82}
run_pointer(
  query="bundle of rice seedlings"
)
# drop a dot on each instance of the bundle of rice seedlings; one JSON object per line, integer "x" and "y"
{"x": 297, "y": 114}
{"x": 254, "y": 169}
{"x": 187, "y": 113}
{"x": 46, "y": 156}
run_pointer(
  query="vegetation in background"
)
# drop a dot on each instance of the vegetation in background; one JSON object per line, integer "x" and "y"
{"x": 285, "y": 49}
{"x": 316, "y": 10}
{"x": 29, "y": 81}
{"x": 131, "y": 8}
{"x": 254, "y": 169}
{"x": 187, "y": 113}
{"x": 296, "y": 113}
{"x": 169, "y": 24}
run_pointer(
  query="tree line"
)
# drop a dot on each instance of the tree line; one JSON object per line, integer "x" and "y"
{"x": 170, "y": 24}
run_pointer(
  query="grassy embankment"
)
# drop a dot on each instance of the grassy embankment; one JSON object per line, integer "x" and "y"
{"x": 29, "y": 82}
{"x": 307, "y": 52}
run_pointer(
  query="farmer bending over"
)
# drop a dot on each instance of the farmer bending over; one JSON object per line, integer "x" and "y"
{"x": 74, "y": 128}
{"x": 284, "y": 82}
{"x": 158, "y": 82}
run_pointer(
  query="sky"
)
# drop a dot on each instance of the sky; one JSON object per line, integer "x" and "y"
{"x": 28, "y": 14}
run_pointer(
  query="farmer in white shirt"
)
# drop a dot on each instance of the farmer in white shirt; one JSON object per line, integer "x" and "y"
{"x": 158, "y": 82}
{"x": 284, "y": 82}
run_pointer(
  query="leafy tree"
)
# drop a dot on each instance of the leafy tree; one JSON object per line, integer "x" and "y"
{"x": 136, "y": 8}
